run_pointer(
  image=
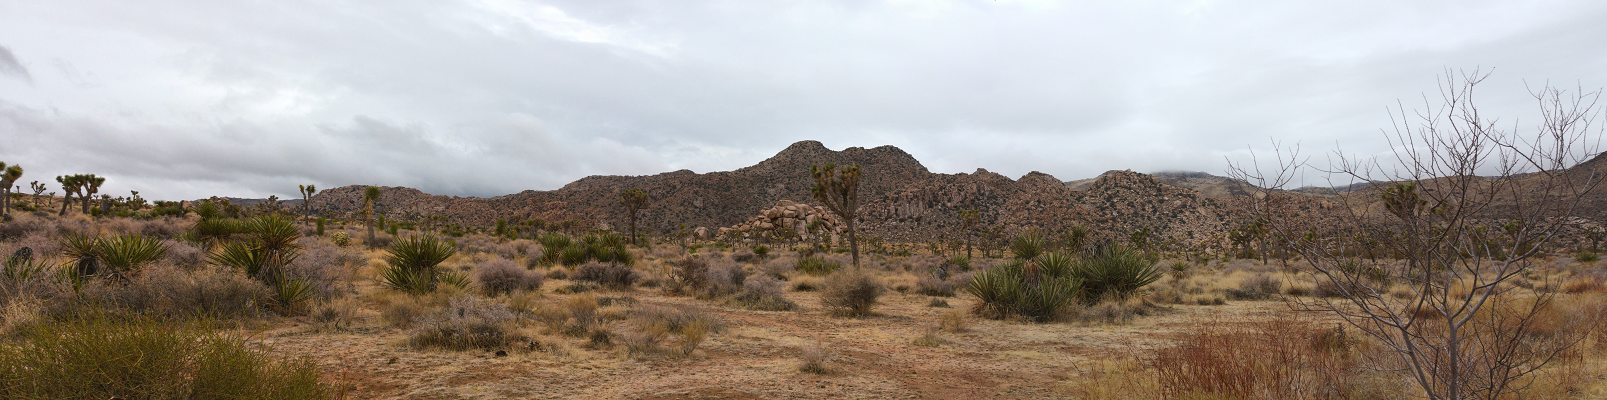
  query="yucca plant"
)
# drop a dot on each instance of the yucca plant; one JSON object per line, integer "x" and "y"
{"x": 1027, "y": 246}
{"x": 212, "y": 231}
{"x": 1009, "y": 290}
{"x": 575, "y": 254}
{"x": 291, "y": 295}
{"x": 411, "y": 264}
{"x": 116, "y": 257}
{"x": 123, "y": 255}
{"x": 83, "y": 254}
{"x": 1115, "y": 272}
{"x": 269, "y": 246}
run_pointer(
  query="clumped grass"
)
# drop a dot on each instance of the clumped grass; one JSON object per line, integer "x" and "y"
{"x": 97, "y": 357}
{"x": 466, "y": 323}
{"x": 501, "y": 276}
{"x": 851, "y": 293}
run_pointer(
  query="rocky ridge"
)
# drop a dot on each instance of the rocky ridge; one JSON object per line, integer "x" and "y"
{"x": 900, "y": 200}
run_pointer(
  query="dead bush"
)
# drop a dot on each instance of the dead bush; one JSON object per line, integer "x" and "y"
{"x": 1280, "y": 359}
{"x": 401, "y": 314}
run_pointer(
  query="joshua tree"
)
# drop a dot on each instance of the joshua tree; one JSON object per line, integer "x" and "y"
{"x": 70, "y": 185}
{"x": 370, "y": 196}
{"x": 968, "y": 220}
{"x": 38, "y": 188}
{"x": 634, "y": 200}
{"x": 9, "y": 175}
{"x": 306, "y": 200}
{"x": 91, "y": 185}
{"x": 840, "y": 192}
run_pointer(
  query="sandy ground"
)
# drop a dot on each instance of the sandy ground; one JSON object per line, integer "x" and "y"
{"x": 757, "y": 356}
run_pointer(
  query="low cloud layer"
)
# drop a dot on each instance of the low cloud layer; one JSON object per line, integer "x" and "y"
{"x": 485, "y": 98}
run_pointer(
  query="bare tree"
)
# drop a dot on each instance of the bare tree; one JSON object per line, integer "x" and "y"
{"x": 840, "y": 192}
{"x": 1444, "y": 314}
{"x": 968, "y": 221}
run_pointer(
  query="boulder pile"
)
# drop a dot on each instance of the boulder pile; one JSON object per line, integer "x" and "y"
{"x": 789, "y": 215}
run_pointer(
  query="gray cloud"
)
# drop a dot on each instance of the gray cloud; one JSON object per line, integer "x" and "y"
{"x": 489, "y": 97}
{"x": 9, "y": 65}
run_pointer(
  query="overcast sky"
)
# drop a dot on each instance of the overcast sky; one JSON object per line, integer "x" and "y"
{"x": 183, "y": 100}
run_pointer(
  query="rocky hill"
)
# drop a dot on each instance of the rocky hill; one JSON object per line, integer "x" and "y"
{"x": 901, "y": 200}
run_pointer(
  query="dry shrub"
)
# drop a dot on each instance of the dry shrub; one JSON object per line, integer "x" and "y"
{"x": 1285, "y": 358}
{"x": 953, "y": 321}
{"x": 334, "y": 316}
{"x": 1111, "y": 312}
{"x": 165, "y": 228}
{"x": 1582, "y": 284}
{"x": 929, "y": 339}
{"x": 184, "y": 254}
{"x": 816, "y": 359}
{"x": 401, "y": 314}
{"x": 806, "y": 284}
{"x": 329, "y": 268}
{"x": 168, "y": 291}
{"x": 501, "y": 276}
{"x": 467, "y": 323}
{"x": 933, "y": 286}
{"x": 1256, "y": 287}
{"x": 763, "y": 293}
{"x": 609, "y": 275}
{"x": 779, "y": 267}
{"x": 652, "y": 326}
{"x": 557, "y": 273}
{"x": 851, "y": 293}
{"x": 1120, "y": 378}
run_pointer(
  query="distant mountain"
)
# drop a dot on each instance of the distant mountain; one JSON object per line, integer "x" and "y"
{"x": 901, "y": 200}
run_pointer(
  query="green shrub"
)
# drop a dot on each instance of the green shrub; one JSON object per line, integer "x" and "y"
{"x": 320, "y": 225}
{"x": 1587, "y": 257}
{"x": 1115, "y": 272}
{"x": 851, "y": 292}
{"x": 105, "y": 358}
{"x": 817, "y": 265}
